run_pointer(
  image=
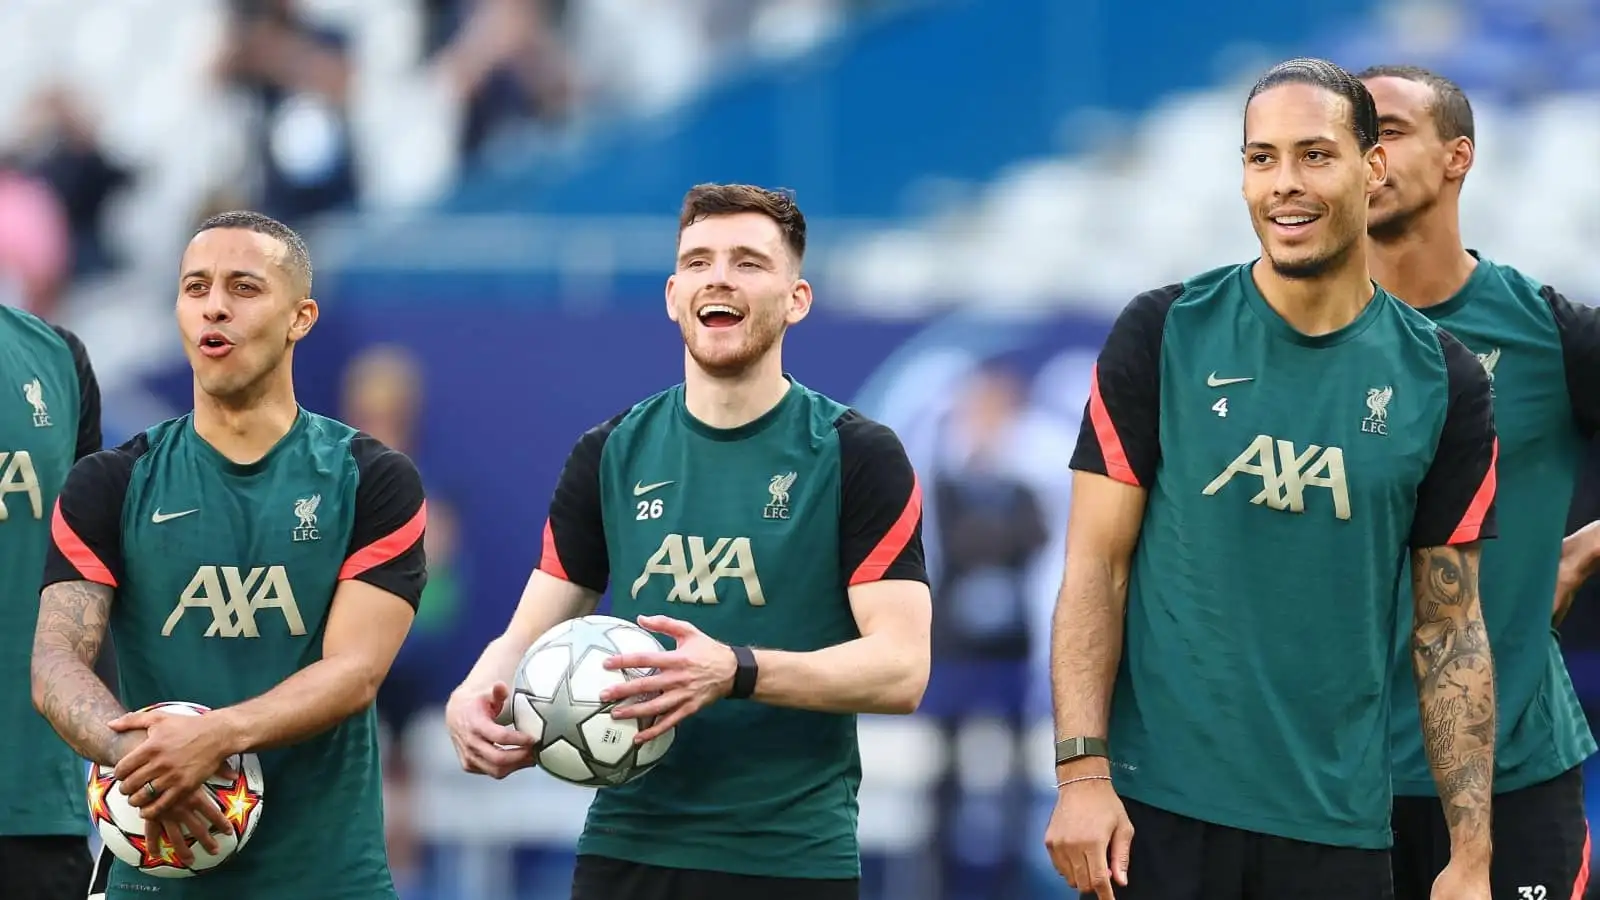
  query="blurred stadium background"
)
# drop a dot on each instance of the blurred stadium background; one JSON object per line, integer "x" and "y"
{"x": 490, "y": 188}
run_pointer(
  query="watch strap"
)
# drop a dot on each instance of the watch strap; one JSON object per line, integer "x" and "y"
{"x": 1078, "y": 747}
{"x": 744, "y": 674}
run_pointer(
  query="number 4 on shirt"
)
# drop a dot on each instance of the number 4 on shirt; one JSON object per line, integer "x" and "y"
{"x": 1220, "y": 407}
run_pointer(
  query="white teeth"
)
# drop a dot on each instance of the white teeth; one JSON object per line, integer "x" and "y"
{"x": 719, "y": 308}
{"x": 1293, "y": 220}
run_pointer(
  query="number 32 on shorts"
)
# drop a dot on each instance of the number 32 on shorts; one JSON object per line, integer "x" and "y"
{"x": 1532, "y": 892}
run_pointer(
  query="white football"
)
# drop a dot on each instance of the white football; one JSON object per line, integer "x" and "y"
{"x": 556, "y": 701}
{"x": 121, "y": 827}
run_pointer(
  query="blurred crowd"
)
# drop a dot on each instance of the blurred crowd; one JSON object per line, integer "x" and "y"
{"x": 493, "y": 74}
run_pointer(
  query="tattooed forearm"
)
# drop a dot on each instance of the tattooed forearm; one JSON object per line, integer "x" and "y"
{"x": 1455, "y": 684}
{"x": 72, "y": 626}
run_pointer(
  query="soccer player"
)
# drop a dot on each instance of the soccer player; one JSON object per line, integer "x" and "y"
{"x": 774, "y": 537}
{"x": 1262, "y": 446}
{"x": 1542, "y": 354}
{"x": 251, "y": 557}
{"x": 50, "y": 418}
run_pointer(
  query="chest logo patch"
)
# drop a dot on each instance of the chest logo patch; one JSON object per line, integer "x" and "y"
{"x": 1377, "y": 420}
{"x": 778, "y": 488}
{"x": 33, "y": 391}
{"x": 1489, "y": 361}
{"x": 306, "y": 510}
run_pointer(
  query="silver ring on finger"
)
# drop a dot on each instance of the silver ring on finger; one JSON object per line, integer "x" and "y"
{"x": 150, "y": 788}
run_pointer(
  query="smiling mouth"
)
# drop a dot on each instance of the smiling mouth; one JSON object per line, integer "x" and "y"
{"x": 1293, "y": 221}
{"x": 718, "y": 315}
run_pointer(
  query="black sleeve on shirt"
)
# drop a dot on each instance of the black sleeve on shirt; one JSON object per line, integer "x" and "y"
{"x": 386, "y": 540}
{"x": 574, "y": 545}
{"x": 880, "y": 505}
{"x": 89, "y": 438}
{"x": 1121, "y": 432}
{"x": 1455, "y": 502}
{"x": 86, "y": 526}
{"x": 1579, "y": 327}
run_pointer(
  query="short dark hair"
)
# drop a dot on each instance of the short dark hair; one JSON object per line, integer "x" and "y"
{"x": 707, "y": 200}
{"x": 297, "y": 259}
{"x": 1451, "y": 110}
{"x": 1323, "y": 74}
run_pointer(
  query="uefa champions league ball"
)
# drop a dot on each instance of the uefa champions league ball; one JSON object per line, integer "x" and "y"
{"x": 556, "y": 701}
{"x": 121, "y": 827}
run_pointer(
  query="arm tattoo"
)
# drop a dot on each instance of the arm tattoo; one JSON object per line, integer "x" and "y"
{"x": 1455, "y": 684}
{"x": 72, "y": 626}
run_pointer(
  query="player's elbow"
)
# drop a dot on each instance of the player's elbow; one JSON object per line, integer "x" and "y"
{"x": 906, "y": 689}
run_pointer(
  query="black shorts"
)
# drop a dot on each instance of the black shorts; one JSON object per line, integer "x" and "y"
{"x": 604, "y": 878}
{"x": 44, "y": 868}
{"x": 1178, "y": 858}
{"x": 1541, "y": 842}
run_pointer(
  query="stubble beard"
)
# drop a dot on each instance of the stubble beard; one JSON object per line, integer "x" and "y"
{"x": 759, "y": 338}
{"x": 1325, "y": 259}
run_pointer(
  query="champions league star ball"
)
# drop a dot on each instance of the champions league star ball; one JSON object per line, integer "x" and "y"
{"x": 121, "y": 827}
{"x": 556, "y": 701}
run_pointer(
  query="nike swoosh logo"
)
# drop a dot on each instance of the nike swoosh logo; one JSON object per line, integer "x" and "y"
{"x": 1213, "y": 381}
{"x": 158, "y": 516}
{"x": 640, "y": 488}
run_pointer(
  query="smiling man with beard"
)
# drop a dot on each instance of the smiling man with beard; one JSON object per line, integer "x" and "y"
{"x": 774, "y": 537}
{"x": 1263, "y": 447}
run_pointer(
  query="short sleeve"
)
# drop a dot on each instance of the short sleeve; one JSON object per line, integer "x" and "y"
{"x": 574, "y": 546}
{"x": 391, "y": 517}
{"x": 1121, "y": 432}
{"x": 880, "y": 510}
{"x": 1455, "y": 502}
{"x": 1579, "y": 327}
{"x": 89, "y": 437}
{"x": 86, "y": 525}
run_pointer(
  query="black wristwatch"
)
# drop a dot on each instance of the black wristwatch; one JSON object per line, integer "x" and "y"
{"x": 1078, "y": 747}
{"x": 744, "y": 676}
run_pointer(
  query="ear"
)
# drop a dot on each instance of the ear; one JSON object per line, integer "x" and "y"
{"x": 1377, "y": 167}
{"x": 799, "y": 302}
{"x": 1463, "y": 153}
{"x": 306, "y": 313}
{"x": 672, "y": 308}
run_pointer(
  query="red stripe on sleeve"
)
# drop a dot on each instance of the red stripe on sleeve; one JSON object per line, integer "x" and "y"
{"x": 387, "y": 547}
{"x": 894, "y": 541}
{"x": 1581, "y": 883}
{"x": 1471, "y": 524}
{"x": 1105, "y": 431}
{"x": 549, "y": 559}
{"x": 77, "y": 552}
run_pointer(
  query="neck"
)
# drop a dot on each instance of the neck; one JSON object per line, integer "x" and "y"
{"x": 728, "y": 401}
{"x": 244, "y": 429}
{"x": 1320, "y": 305}
{"x": 1427, "y": 264}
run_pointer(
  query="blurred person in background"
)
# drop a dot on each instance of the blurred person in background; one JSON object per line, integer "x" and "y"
{"x": 49, "y": 419}
{"x": 382, "y": 396}
{"x": 59, "y": 146}
{"x": 506, "y": 63}
{"x": 35, "y": 244}
{"x": 1542, "y": 355}
{"x": 1224, "y": 637}
{"x": 299, "y": 78}
{"x": 989, "y": 528}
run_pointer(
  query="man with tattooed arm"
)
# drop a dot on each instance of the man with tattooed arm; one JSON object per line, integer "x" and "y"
{"x": 250, "y": 557}
{"x": 1542, "y": 354}
{"x": 1264, "y": 445}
